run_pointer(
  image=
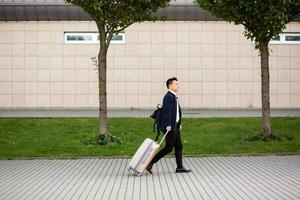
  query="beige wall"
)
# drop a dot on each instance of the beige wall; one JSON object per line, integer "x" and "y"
{"x": 216, "y": 66}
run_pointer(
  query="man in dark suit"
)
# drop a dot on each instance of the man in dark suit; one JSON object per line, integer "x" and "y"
{"x": 171, "y": 121}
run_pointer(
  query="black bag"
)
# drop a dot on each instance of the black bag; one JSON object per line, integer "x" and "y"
{"x": 157, "y": 116}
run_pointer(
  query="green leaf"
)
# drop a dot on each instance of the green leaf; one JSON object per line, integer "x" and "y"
{"x": 262, "y": 19}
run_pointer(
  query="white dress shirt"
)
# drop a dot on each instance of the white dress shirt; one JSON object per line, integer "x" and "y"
{"x": 177, "y": 114}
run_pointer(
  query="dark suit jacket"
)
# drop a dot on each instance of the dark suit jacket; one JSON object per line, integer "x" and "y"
{"x": 169, "y": 110}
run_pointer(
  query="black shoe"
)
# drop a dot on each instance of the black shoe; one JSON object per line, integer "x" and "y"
{"x": 182, "y": 170}
{"x": 149, "y": 168}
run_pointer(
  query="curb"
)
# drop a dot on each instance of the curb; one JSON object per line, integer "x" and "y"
{"x": 168, "y": 156}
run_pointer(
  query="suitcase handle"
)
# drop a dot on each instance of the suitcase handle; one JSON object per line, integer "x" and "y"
{"x": 163, "y": 138}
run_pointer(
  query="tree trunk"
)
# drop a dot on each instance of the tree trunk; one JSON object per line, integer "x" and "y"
{"x": 265, "y": 90}
{"x": 102, "y": 83}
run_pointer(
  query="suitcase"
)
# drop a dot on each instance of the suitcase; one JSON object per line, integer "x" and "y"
{"x": 144, "y": 155}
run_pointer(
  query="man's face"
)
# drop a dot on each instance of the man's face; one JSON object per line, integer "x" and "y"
{"x": 174, "y": 86}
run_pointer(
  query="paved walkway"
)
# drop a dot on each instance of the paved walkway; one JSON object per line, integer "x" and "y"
{"x": 144, "y": 113}
{"x": 261, "y": 177}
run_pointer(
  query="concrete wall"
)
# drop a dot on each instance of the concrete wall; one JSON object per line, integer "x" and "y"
{"x": 216, "y": 66}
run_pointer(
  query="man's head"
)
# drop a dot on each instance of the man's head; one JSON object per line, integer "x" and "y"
{"x": 172, "y": 84}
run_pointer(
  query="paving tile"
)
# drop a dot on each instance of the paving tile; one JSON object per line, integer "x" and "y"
{"x": 246, "y": 177}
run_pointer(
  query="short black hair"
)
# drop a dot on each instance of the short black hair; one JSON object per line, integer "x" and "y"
{"x": 170, "y": 81}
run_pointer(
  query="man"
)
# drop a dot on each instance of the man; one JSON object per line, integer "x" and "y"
{"x": 171, "y": 121}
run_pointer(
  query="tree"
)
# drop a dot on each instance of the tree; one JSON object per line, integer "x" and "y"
{"x": 263, "y": 20}
{"x": 112, "y": 17}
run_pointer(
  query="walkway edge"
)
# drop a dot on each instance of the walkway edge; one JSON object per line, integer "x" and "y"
{"x": 168, "y": 156}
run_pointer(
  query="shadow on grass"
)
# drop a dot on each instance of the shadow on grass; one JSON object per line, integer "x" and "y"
{"x": 272, "y": 137}
{"x": 95, "y": 140}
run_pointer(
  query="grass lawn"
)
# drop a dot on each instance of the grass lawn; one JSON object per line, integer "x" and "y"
{"x": 63, "y": 137}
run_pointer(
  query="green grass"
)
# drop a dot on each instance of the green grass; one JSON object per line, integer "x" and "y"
{"x": 63, "y": 137}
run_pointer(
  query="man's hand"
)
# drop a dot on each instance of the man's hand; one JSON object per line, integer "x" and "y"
{"x": 168, "y": 128}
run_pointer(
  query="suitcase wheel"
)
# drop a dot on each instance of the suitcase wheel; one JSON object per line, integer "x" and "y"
{"x": 138, "y": 174}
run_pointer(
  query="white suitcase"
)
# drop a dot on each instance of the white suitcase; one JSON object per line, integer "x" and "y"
{"x": 144, "y": 155}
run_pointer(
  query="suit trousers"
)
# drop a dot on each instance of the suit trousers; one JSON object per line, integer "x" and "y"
{"x": 173, "y": 140}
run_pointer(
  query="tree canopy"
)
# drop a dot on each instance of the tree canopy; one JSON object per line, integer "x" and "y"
{"x": 262, "y": 19}
{"x": 116, "y": 15}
